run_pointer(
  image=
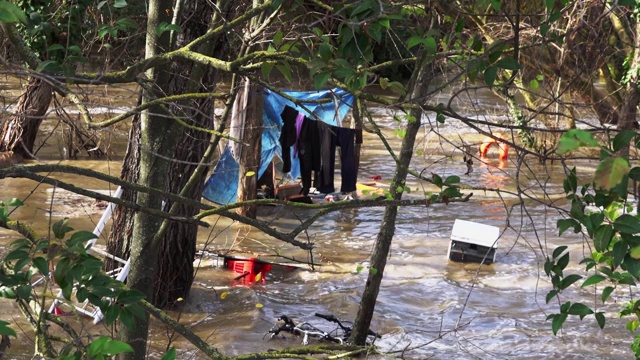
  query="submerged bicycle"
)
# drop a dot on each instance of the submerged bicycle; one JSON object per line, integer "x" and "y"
{"x": 339, "y": 335}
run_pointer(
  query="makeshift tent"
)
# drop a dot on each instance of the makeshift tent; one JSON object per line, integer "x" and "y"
{"x": 222, "y": 185}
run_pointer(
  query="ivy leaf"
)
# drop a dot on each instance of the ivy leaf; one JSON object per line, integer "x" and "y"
{"x": 320, "y": 79}
{"x": 119, "y": 4}
{"x": 593, "y": 279}
{"x": 564, "y": 224}
{"x": 610, "y": 172}
{"x": 574, "y": 139}
{"x": 558, "y": 320}
{"x": 569, "y": 279}
{"x": 628, "y": 224}
{"x": 634, "y": 173}
{"x": 170, "y": 355}
{"x": 6, "y": 330}
{"x": 508, "y": 63}
{"x": 580, "y": 309}
{"x": 605, "y": 293}
{"x": 490, "y": 75}
{"x": 10, "y": 13}
{"x": 623, "y": 139}
{"x": 600, "y": 319}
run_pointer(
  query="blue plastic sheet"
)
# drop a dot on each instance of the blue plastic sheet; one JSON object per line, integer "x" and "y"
{"x": 222, "y": 185}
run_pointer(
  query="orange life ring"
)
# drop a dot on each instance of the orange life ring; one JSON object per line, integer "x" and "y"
{"x": 503, "y": 147}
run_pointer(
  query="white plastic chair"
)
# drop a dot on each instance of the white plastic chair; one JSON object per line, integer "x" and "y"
{"x": 120, "y": 273}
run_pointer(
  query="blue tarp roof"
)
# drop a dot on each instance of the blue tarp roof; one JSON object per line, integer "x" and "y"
{"x": 222, "y": 185}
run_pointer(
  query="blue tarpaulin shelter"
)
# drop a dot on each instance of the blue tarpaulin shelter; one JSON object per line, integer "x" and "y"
{"x": 222, "y": 185}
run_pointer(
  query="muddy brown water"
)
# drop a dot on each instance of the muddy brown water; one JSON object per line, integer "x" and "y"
{"x": 428, "y": 307}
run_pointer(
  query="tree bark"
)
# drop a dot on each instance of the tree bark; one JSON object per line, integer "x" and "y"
{"x": 250, "y": 155}
{"x": 158, "y": 138}
{"x": 418, "y": 85}
{"x": 20, "y": 131}
{"x": 174, "y": 274}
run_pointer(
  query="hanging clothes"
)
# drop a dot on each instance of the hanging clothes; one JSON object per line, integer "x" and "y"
{"x": 308, "y": 145}
{"x": 334, "y": 137}
{"x": 288, "y": 136}
{"x": 221, "y": 187}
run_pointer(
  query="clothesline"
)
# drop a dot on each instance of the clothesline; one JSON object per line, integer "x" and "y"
{"x": 221, "y": 187}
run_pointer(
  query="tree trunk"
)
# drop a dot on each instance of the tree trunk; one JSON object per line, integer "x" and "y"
{"x": 174, "y": 273}
{"x": 20, "y": 131}
{"x": 629, "y": 113}
{"x": 119, "y": 239}
{"x": 250, "y": 154}
{"x": 158, "y": 138}
{"x": 418, "y": 87}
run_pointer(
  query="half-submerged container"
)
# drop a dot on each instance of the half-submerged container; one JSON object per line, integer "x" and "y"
{"x": 473, "y": 242}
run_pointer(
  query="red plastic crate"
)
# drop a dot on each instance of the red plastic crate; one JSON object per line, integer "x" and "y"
{"x": 248, "y": 269}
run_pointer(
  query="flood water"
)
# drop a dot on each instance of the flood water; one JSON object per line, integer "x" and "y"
{"x": 428, "y": 306}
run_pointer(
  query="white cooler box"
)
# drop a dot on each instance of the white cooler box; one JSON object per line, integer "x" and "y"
{"x": 473, "y": 242}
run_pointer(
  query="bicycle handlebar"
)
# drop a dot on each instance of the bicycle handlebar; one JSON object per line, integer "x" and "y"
{"x": 331, "y": 318}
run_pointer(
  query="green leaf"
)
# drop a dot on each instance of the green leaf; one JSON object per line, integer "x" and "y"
{"x": 580, "y": 309}
{"x": 119, "y": 4}
{"x": 373, "y": 271}
{"x": 626, "y": 223}
{"x": 490, "y": 75}
{"x": 96, "y": 347}
{"x": 619, "y": 252}
{"x": 285, "y": 70}
{"x": 125, "y": 24}
{"x": 266, "y": 69}
{"x": 600, "y": 319}
{"x": 130, "y": 296}
{"x": 430, "y": 45}
{"x": 558, "y": 251}
{"x": 574, "y": 139}
{"x": 169, "y": 355}
{"x": 55, "y": 47}
{"x": 634, "y": 173}
{"x": 623, "y": 139}
{"x": 49, "y": 66}
{"x": 15, "y": 202}
{"x": 440, "y": 118}
{"x": 277, "y": 38}
{"x": 453, "y": 179}
{"x": 602, "y": 237}
{"x": 320, "y": 79}
{"x": 550, "y": 295}
{"x": 325, "y": 51}
{"x": 437, "y": 180}
{"x": 606, "y": 292}
{"x": 632, "y": 325}
{"x": 10, "y": 13}
{"x": 80, "y": 237}
{"x": 569, "y": 279}
{"x": 6, "y": 330}
{"x": 558, "y": 320}
{"x": 114, "y": 347}
{"x": 496, "y": 5}
{"x": 41, "y": 264}
{"x": 593, "y": 279}
{"x": 24, "y": 292}
{"x": 610, "y": 172}
{"x": 534, "y": 84}
{"x": 60, "y": 228}
{"x": 632, "y": 266}
{"x": 508, "y": 63}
